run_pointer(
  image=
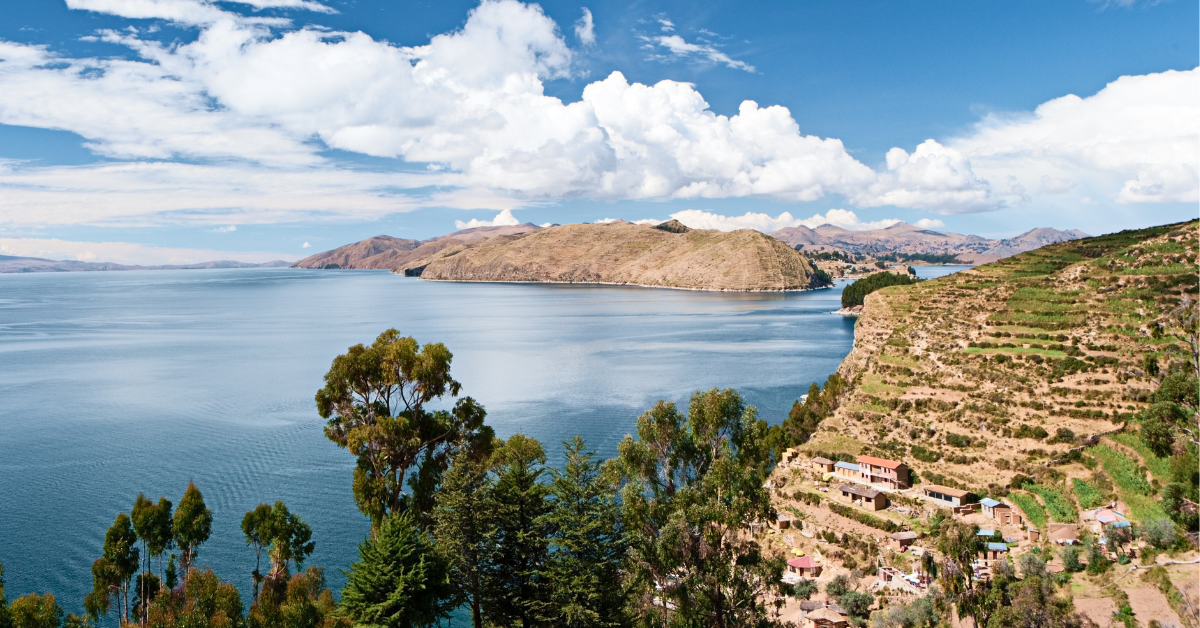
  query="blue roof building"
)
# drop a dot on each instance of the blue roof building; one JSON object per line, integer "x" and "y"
{"x": 989, "y": 502}
{"x": 846, "y": 465}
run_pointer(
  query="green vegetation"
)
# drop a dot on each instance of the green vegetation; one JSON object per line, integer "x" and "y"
{"x": 1060, "y": 506}
{"x": 803, "y": 419}
{"x": 1032, "y": 509}
{"x": 1159, "y": 467}
{"x": 1122, "y": 470}
{"x": 1089, "y": 496}
{"x": 855, "y": 293}
{"x": 1050, "y": 353}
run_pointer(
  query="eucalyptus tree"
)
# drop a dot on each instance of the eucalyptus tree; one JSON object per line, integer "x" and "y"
{"x": 191, "y": 526}
{"x": 112, "y": 571}
{"x": 284, "y": 536}
{"x": 152, "y": 524}
{"x": 374, "y": 399}
{"x": 692, "y": 486}
{"x": 5, "y": 613}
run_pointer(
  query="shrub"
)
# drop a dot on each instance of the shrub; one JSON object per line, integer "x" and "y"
{"x": 1070, "y": 559}
{"x": 864, "y": 518}
{"x": 1159, "y": 533}
{"x": 804, "y": 589}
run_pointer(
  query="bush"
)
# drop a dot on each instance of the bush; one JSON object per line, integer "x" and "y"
{"x": 1070, "y": 559}
{"x": 864, "y": 518}
{"x": 856, "y": 604}
{"x": 1160, "y": 533}
{"x": 804, "y": 589}
{"x": 837, "y": 587}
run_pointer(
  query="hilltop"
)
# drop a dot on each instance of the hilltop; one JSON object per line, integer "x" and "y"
{"x": 387, "y": 253}
{"x": 909, "y": 240}
{"x": 669, "y": 255}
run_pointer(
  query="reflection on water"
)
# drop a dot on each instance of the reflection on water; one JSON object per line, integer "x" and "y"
{"x": 124, "y": 382}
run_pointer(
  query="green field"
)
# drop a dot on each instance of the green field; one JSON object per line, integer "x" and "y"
{"x": 1123, "y": 471}
{"x": 1050, "y": 353}
{"x": 1143, "y": 508}
{"x": 1159, "y": 467}
{"x": 1033, "y": 510}
{"x": 1060, "y": 506}
{"x": 1089, "y": 496}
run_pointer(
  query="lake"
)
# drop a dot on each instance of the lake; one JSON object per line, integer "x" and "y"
{"x": 115, "y": 383}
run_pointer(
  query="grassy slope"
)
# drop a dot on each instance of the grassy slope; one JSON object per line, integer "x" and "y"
{"x": 1060, "y": 337}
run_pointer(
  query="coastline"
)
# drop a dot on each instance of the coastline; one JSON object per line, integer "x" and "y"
{"x": 620, "y": 284}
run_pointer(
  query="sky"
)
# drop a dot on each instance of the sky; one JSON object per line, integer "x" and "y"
{"x": 177, "y": 131}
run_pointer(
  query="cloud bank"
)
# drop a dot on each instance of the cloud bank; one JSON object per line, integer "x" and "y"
{"x": 234, "y": 125}
{"x": 504, "y": 218}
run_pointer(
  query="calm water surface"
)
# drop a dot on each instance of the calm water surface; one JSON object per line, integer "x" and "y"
{"x": 124, "y": 382}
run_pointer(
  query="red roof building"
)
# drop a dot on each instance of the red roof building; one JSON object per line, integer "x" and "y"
{"x": 804, "y": 566}
{"x": 890, "y": 473}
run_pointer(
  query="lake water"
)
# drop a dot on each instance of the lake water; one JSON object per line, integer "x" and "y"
{"x": 117, "y": 383}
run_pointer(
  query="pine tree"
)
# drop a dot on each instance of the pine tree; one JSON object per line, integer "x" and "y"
{"x": 464, "y": 527}
{"x": 515, "y": 591}
{"x": 399, "y": 581}
{"x": 584, "y": 566}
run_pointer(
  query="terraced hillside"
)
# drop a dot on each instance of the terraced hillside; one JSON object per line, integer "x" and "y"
{"x": 1001, "y": 371}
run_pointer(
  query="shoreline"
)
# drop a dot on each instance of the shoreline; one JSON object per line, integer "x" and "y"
{"x": 619, "y": 284}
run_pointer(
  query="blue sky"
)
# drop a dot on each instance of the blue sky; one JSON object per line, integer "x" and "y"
{"x": 252, "y": 129}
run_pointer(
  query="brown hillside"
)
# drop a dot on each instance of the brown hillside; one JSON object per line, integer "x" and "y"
{"x": 624, "y": 253}
{"x": 388, "y": 253}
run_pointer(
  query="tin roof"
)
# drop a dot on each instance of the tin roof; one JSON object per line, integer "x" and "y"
{"x": 985, "y": 533}
{"x": 846, "y": 465}
{"x": 904, "y": 536}
{"x": 861, "y": 491}
{"x": 989, "y": 502}
{"x": 997, "y": 547}
{"x": 945, "y": 490}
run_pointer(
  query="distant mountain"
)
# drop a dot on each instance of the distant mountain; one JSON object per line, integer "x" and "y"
{"x": 12, "y": 264}
{"x": 388, "y": 253}
{"x": 623, "y": 253}
{"x": 903, "y": 238}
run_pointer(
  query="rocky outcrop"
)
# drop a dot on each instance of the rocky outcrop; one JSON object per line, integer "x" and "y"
{"x": 907, "y": 239}
{"x": 624, "y": 253}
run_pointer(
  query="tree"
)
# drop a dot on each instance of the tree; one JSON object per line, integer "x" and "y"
{"x": 192, "y": 525}
{"x": 5, "y": 613}
{"x": 1160, "y": 533}
{"x": 284, "y": 536}
{"x": 465, "y": 527}
{"x": 804, "y": 589}
{"x": 1070, "y": 559}
{"x": 856, "y": 604}
{"x": 692, "y": 486}
{"x": 112, "y": 572}
{"x": 254, "y": 527}
{"x": 304, "y": 603}
{"x": 399, "y": 581}
{"x": 587, "y": 543}
{"x": 837, "y": 587}
{"x": 152, "y": 524}
{"x": 959, "y": 545}
{"x": 204, "y": 601}
{"x": 36, "y": 611}
{"x": 1118, "y": 537}
{"x": 515, "y": 590}
{"x": 1158, "y": 426}
{"x": 374, "y": 398}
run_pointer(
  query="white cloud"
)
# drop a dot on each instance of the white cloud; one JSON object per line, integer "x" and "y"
{"x": 648, "y": 221}
{"x": 846, "y": 219}
{"x": 255, "y": 101}
{"x": 228, "y": 229}
{"x": 929, "y": 223}
{"x": 585, "y": 28}
{"x": 305, "y": 245}
{"x": 679, "y": 48}
{"x": 127, "y": 253}
{"x": 1135, "y": 141}
{"x": 504, "y": 218}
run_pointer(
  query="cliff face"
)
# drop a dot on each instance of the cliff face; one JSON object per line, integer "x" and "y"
{"x": 624, "y": 253}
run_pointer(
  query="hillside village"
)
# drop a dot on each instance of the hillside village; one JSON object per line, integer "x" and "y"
{"x": 1010, "y": 398}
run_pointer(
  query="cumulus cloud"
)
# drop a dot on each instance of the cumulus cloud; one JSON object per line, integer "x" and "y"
{"x": 929, "y": 223}
{"x": 127, "y": 253}
{"x": 305, "y": 245}
{"x": 258, "y": 99}
{"x": 585, "y": 29}
{"x": 846, "y": 219}
{"x": 1135, "y": 141}
{"x": 504, "y": 218}
{"x": 226, "y": 229}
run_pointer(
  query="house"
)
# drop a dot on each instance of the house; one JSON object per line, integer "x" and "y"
{"x": 826, "y": 618}
{"x": 782, "y": 522}
{"x": 995, "y": 551}
{"x": 788, "y": 456}
{"x": 1032, "y": 534}
{"x": 882, "y": 471}
{"x": 985, "y": 533}
{"x": 871, "y": 499}
{"x": 946, "y": 496}
{"x": 804, "y": 566}
{"x": 1001, "y": 512}
{"x": 901, "y": 540}
{"x": 822, "y": 465}
{"x": 846, "y": 470}
{"x": 892, "y": 578}
{"x": 1063, "y": 533}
